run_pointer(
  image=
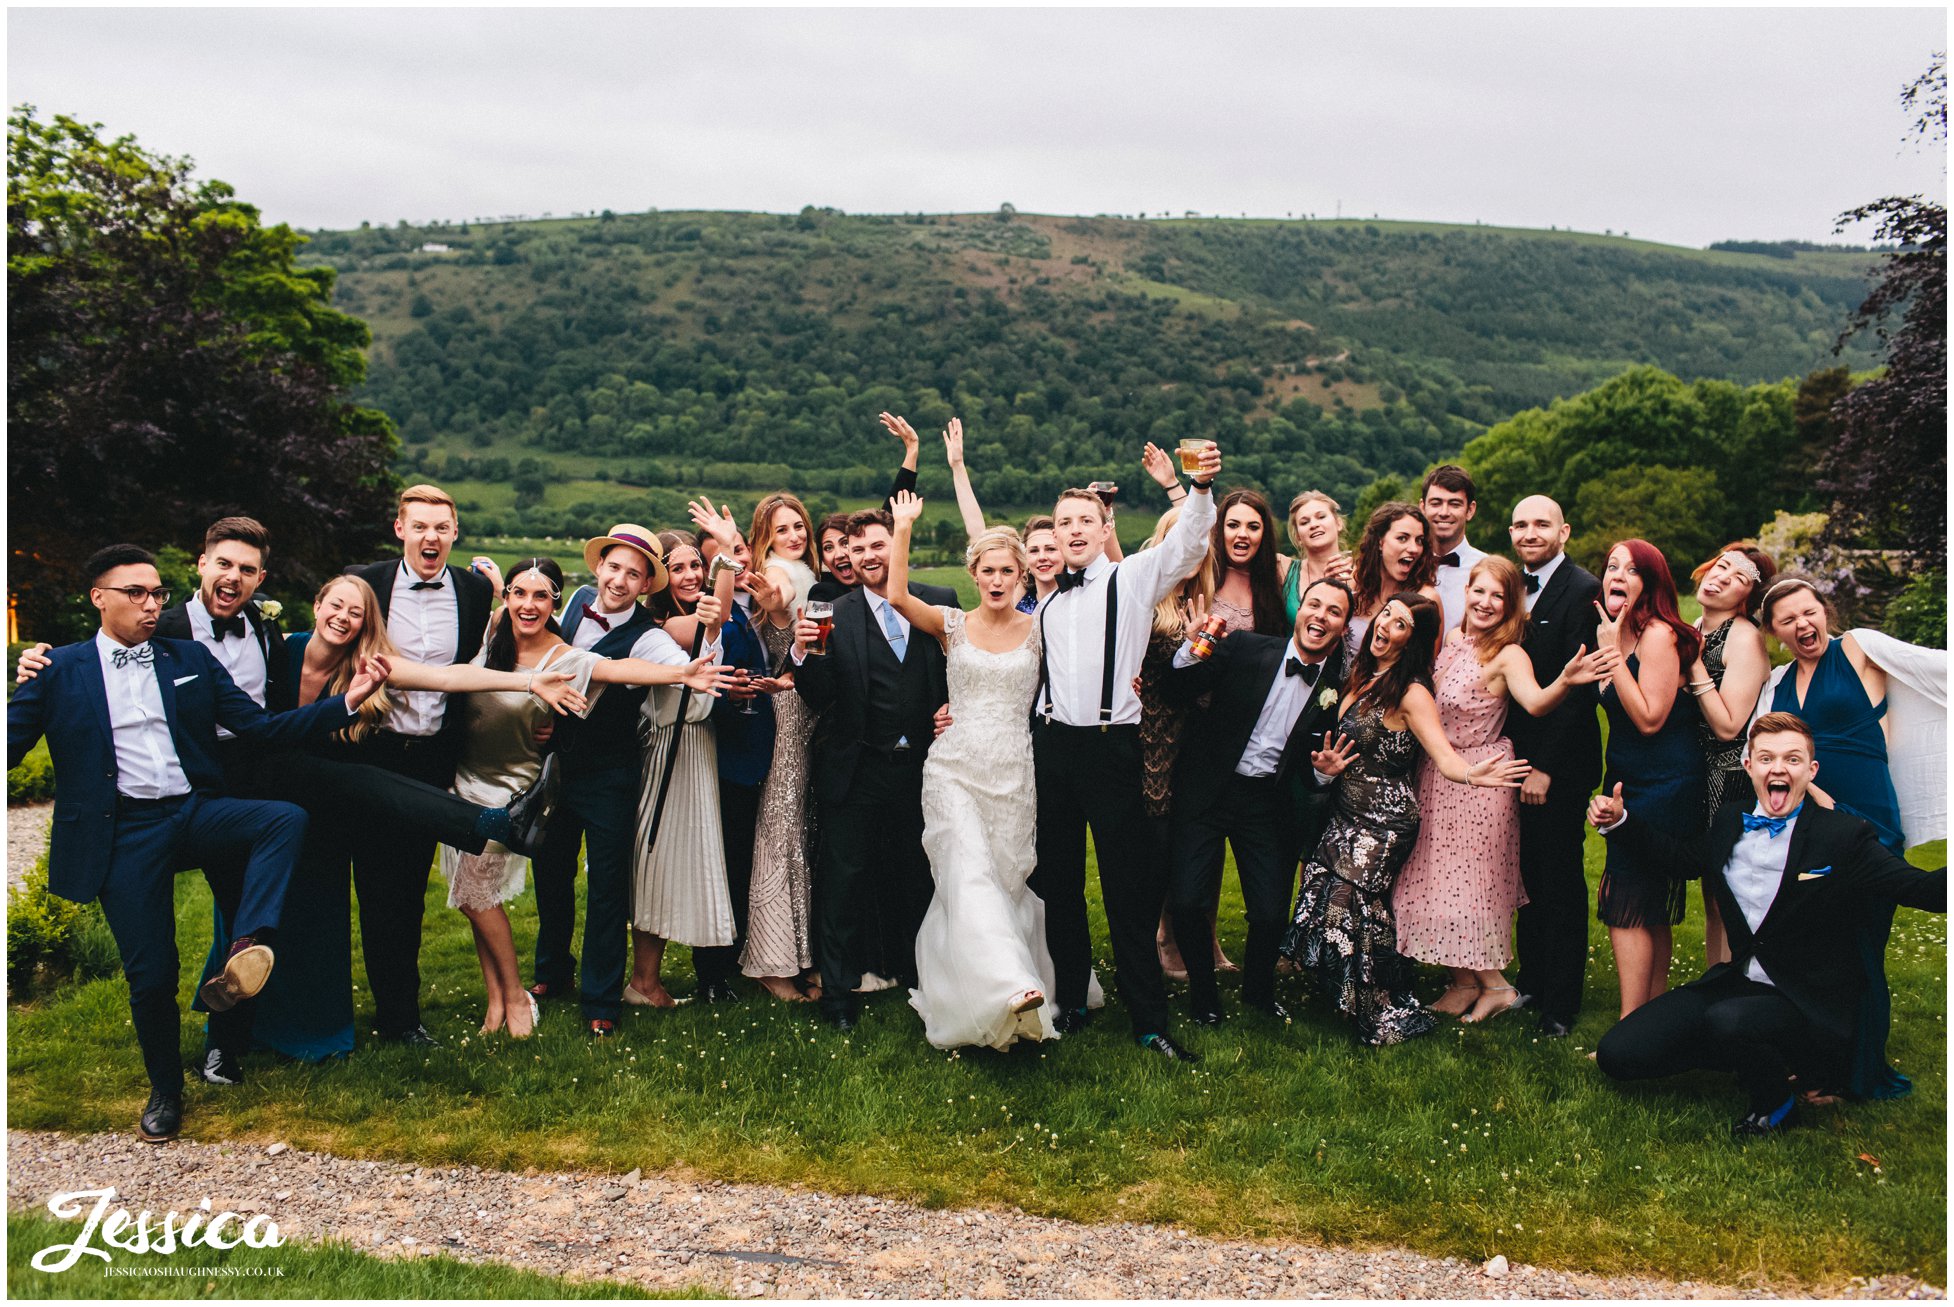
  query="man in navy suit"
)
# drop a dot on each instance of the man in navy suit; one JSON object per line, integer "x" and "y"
{"x": 435, "y": 613}
{"x": 1799, "y": 1004}
{"x": 131, "y": 722}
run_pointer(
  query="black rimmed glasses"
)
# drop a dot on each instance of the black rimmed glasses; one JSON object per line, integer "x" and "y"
{"x": 137, "y": 594}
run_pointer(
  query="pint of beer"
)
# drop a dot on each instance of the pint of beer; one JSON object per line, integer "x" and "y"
{"x": 1191, "y": 454}
{"x": 822, "y": 614}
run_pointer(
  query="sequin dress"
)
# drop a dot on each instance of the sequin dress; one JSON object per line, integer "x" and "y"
{"x": 1457, "y": 895}
{"x": 1722, "y": 759}
{"x": 780, "y": 905}
{"x": 1344, "y": 934}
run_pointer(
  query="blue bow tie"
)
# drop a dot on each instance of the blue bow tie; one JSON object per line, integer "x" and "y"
{"x": 1775, "y": 825}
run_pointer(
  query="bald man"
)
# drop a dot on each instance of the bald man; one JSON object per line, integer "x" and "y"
{"x": 1565, "y": 749}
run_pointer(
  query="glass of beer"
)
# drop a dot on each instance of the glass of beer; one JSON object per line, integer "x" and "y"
{"x": 822, "y": 614}
{"x": 1191, "y": 454}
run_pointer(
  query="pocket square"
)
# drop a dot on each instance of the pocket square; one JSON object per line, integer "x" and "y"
{"x": 1815, "y": 873}
{"x": 184, "y": 680}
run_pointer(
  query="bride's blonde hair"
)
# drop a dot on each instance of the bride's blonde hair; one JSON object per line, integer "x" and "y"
{"x": 997, "y": 537}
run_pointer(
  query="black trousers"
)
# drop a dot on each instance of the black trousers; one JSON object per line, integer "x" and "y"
{"x": 871, "y": 880}
{"x": 1089, "y": 778}
{"x": 1553, "y": 923}
{"x": 1248, "y": 813}
{"x": 739, "y": 814}
{"x": 391, "y": 863}
{"x": 1731, "y": 1024}
{"x": 597, "y": 812}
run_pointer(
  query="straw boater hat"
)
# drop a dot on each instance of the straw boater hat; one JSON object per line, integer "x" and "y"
{"x": 629, "y": 533}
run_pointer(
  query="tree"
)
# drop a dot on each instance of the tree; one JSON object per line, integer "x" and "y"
{"x": 168, "y": 365}
{"x": 1887, "y": 467}
{"x": 1674, "y": 509}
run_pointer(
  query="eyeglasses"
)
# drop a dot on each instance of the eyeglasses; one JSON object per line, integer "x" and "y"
{"x": 137, "y": 594}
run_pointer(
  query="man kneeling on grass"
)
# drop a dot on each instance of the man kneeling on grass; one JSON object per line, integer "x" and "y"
{"x": 1803, "y": 890}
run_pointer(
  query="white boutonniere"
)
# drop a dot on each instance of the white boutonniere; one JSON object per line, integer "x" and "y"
{"x": 269, "y": 609}
{"x": 1328, "y": 697}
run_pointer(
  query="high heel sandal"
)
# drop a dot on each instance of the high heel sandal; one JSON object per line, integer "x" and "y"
{"x": 1433, "y": 1006}
{"x": 1470, "y": 1020}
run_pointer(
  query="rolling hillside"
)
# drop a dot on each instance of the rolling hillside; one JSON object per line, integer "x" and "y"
{"x": 536, "y": 365}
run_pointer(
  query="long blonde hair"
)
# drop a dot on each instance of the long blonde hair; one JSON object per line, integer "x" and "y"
{"x": 372, "y": 639}
{"x": 760, "y": 537}
{"x": 1170, "y": 614}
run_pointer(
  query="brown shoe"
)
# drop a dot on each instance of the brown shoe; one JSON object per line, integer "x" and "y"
{"x": 245, "y": 973}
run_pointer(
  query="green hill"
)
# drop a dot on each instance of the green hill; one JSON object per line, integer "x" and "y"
{"x": 535, "y": 365}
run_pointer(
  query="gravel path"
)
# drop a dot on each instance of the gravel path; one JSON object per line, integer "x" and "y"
{"x": 26, "y": 836}
{"x": 758, "y": 1241}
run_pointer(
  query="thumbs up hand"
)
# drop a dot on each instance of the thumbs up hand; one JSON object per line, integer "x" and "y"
{"x": 1606, "y": 809}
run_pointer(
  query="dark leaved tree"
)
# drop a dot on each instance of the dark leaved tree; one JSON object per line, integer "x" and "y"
{"x": 1887, "y": 470}
{"x": 168, "y": 365}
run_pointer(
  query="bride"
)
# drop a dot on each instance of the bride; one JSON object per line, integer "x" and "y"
{"x": 982, "y": 967}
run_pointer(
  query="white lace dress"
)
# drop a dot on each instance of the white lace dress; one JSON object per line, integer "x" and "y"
{"x": 982, "y": 943}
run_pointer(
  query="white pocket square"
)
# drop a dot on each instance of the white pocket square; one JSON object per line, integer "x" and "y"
{"x": 184, "y": 680}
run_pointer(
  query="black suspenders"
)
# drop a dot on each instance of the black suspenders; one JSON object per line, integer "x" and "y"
{"x": 1107, "y": 668}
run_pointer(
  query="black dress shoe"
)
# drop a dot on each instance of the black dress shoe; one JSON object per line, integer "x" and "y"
{"x": 1167, "y": 1048}
{"x": 529, "y": 812}
{"x": 842, "y": 1021}
{"x": 1071, "y": 1021}
{"x": 1554, "y": 1028}
{"x": 221, "y": 1067}
{"x": 162, "y": 1119}
{"x": 415, "y": 1038}
{"x": 1272, "y": 1009}
{"x": 716, "y": 991}
{"x": 1765, "y": 1125}
{"x": 1209, "y": 1017}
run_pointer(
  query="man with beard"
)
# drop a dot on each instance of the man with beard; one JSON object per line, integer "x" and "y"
{"x": 1565, "y": 749}
{"x": 1243, "y": 775}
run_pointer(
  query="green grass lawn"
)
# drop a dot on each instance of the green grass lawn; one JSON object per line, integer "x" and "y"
{"x": 1466, "y": 1143}
{"x": 324, "y": 1270}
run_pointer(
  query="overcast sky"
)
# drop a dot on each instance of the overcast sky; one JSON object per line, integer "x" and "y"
{"x": 1685, "y": 126}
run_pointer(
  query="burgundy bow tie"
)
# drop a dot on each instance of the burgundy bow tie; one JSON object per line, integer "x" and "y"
{"x": 596, "y": 617}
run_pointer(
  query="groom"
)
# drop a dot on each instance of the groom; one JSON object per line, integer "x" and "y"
{"x": 877, "y": 689}
{"x": 1086, "y": 751}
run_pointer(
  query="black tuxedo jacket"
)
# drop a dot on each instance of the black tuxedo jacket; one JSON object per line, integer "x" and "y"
{"x": 1839, "y": 887}
{"x": 837, "y": 687}
{"x": 1566, "y": 743}
{"x": 473, "y": 598}
{"x": 1239, "y": 672}
{"x": 174, "y": 624}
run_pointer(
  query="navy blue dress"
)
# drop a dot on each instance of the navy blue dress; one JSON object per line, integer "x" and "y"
{"x": 1663, "y": 782}
{"x": 1850, "y": 746}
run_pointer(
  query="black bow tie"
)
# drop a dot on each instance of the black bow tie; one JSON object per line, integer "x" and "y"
{"x": 143, "y": 655}
{"x": 593, "y": 615}
{"x": 1297, "y": 667}
{"x": 427, "y": 585}
{"x": 1070, "y": 580}
{"x": 1532, "y": 583}
{"x": 223, "y": 627}
{"x": 1449, "y": 560}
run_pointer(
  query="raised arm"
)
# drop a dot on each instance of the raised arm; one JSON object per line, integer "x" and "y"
{"x": 1153, "y": 572}
{"x": 1421, "y": 711}
{"x": 1745, "y": 666}
{"x": 922, "y": 616}
{"x": 973, "y": 516}
{"x": 911, "y": 449}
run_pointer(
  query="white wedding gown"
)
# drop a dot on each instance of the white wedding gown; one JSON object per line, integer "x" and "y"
{"x": 982, "y": 943}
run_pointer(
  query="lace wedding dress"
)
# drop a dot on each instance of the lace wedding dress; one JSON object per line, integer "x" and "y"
{"x": 982, "y": 943}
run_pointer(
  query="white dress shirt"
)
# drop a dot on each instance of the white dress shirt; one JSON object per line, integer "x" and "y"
{"x": 1288, "y": 697}
{"x": 1451, "y": 582}
{"x": 1754, "y": 872}
{"x": 425, "y": 626}
{"x": 1074, "y": 621}
{"x": 589, "y": 632}
{"x": 243, "y": 659}
{"x": 1546, "y": 574}
{"x": 146, "y": 765}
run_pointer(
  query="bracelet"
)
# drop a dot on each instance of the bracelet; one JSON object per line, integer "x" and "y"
{"x": 1171, "y": 489}
{"x": 1197, "y": 483}
{"x": 531, "y": 687}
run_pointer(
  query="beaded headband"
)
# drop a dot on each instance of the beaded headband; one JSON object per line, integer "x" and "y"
{"x": 1743, "y": 564}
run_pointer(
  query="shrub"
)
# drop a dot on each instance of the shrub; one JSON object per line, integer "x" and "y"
{"x": 1918, "y": 614}
{"x": 33, "y": 780}
{"x": 40, "y": 928}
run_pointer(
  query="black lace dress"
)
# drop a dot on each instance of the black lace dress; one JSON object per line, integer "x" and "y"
{"x": 1722, "y": 759}
{"x": 1344, "y": 934}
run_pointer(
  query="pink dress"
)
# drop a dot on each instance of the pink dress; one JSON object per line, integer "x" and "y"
{"x": 1456, "y": 897}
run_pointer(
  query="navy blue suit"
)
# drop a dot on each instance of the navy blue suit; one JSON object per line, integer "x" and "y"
{"x": 745, "y": 757}
{"x": 126, "y": 852}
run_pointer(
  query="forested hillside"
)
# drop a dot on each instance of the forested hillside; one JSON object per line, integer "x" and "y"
{"x": 554, "y": 359}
